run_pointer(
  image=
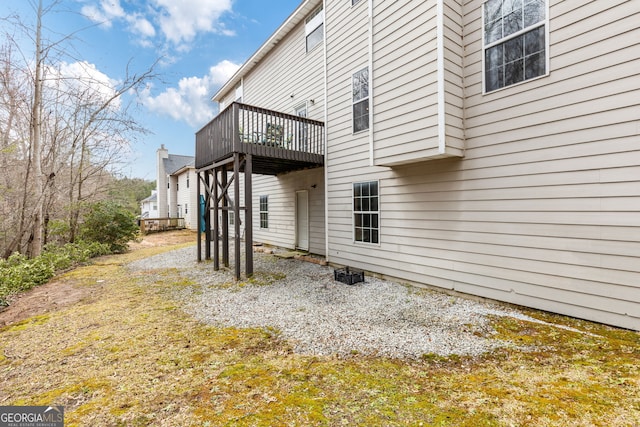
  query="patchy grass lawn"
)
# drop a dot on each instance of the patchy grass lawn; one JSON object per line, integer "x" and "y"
{"x": 128, "y": 356}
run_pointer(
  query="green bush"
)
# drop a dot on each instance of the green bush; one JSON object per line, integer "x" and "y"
{"x": 19, "y": 273}
{"x": 109, "y": 223}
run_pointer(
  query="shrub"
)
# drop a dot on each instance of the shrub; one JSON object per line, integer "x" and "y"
{"x": 109, "y": 223}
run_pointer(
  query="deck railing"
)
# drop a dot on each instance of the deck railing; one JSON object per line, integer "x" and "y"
{"x": 243, "y": 128}
{"x": 150, "y": 225}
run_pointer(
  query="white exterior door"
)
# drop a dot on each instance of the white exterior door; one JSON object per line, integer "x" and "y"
{"x": 302, "y": 220}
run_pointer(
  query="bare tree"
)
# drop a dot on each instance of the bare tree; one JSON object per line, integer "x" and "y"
{"x": 78, "y": 127}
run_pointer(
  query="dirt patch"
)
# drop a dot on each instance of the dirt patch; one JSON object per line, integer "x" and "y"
{"x": 56, "y": 294}
{"x": 43, "y": 299}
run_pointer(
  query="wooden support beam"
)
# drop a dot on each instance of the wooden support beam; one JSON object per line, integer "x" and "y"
{"x": 216, "y": 226}
{"x": 216, "y": 165}
{"x": 248, "y": 215}
{"x": 207, "y": 216}
{"x": 225, "y": 215}
{"x": 236, "y": 214}
{"x": 200, "y": 212}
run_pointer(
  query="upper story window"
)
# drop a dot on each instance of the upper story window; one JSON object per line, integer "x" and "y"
{"x": 515, "y": 41}
{"x": 354, "y": 2}
{"x": 361, "y": 100}
{"x": 314, "y": 28}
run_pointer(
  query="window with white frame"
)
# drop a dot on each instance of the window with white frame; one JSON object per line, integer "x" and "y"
{"x": 314, "y": 28}
{"x": 366, "y": 212}
{"x": 515, "y": 41}
{"x": 264, "y": 211}
{"x": 360, "y": 85}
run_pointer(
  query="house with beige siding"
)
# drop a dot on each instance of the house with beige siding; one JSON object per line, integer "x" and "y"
{"x": 176, "y": 193}
{"x": 485, "y": 147}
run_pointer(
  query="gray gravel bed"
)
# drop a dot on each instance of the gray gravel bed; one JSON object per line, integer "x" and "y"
{"x": 320, "y": 316}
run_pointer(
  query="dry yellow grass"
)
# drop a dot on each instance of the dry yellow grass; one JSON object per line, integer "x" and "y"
{"x": 128, "y": 355}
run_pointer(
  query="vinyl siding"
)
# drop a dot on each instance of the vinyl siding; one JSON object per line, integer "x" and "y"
{"x": 281, "y": 191}
{"x": 347, "y": 53}
{"x": 453, "y": 77}
{"x": 405, "y": 83}
{"x": 408, "y": 105}
{"x": 188, "y": 197}
{"x": 543, "y": 209}
{"x": 561, "y": 154}
{"x": 289, "y": 70}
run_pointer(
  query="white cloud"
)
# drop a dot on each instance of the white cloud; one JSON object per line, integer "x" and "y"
{"x": 141, "y": 26}
{"x": 83, "y": 75}
{"x": 190, "y": 101}
{"x": 107, "y": 11}
{"x": 179, "y": 21}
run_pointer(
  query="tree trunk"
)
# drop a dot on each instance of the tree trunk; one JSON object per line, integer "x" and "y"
{"x": 36, "y": 142}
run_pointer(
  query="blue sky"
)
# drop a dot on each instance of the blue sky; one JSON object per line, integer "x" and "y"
{"x": 199, "y": 44}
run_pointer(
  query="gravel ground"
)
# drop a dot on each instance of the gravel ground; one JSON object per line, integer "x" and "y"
{"x": 320, "y": 316}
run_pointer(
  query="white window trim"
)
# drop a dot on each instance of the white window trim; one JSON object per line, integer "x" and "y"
{"x": 263, "y": 212}
{"x": 353, "y": 132}
{"x": 302, "y": 106}
{"x": 311, "y": 25}
{"x": 353, "y": 215}
{"x": 486, "y": 46}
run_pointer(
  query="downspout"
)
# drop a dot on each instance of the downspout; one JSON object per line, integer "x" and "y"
{"x": 326, "y": 136}
{"x": 371, "y": 129}
{"x": 441, "y": 94}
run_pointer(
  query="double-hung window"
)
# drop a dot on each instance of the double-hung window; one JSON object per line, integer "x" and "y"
{"x": 314, "y": 28}
{"x": 515, "y": 41}
{"x": 360, "y": 84}
{"x": 366, "y": 212}
{"x": 264, "y": 211}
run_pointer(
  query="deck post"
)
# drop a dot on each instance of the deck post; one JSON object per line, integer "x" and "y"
{"x": 216, "y": 242}
{"x": 236, "y": 213}
{"x": 200, "y": 212}
{"x": 225, "y": 215}
{"x": 248, "y": 214}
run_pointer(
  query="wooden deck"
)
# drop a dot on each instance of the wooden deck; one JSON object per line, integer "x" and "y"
{"x": 247, "y": 140}
{"x": 278, "y": 142}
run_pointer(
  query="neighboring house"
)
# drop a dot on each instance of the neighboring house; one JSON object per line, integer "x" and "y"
{"x": 486, "y": 147}
{"x": 177, "y": 195}
{"x": 149, "y": 206}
